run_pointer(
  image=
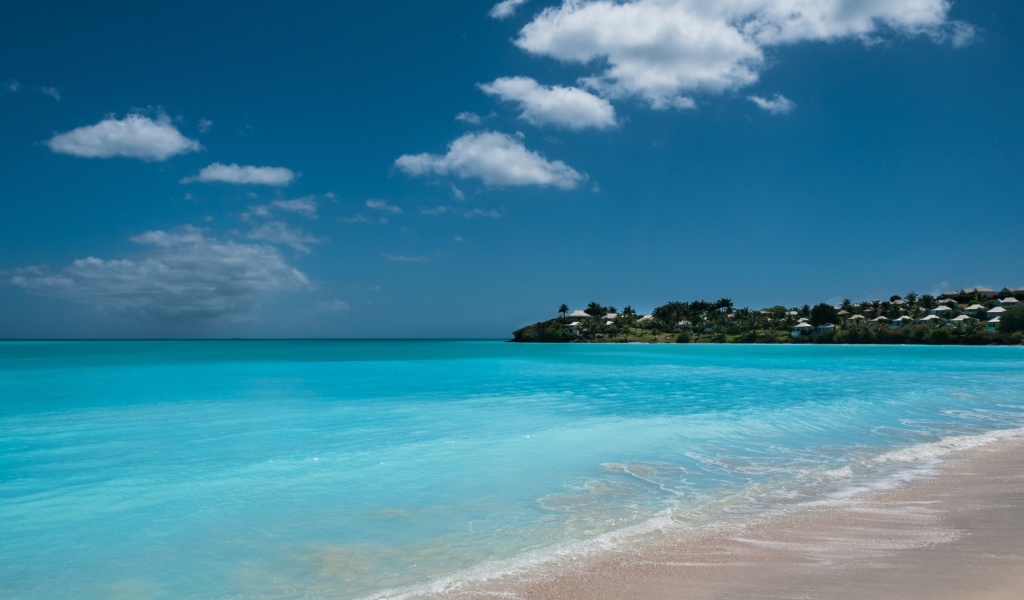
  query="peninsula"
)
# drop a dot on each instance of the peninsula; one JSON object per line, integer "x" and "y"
{"x": 975, "y": 316}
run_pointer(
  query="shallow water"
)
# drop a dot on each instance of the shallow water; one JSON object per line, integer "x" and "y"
{"x": 318, "y": 469}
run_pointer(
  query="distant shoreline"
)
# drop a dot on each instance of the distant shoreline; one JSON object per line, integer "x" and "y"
{"x": 975, "y": 317}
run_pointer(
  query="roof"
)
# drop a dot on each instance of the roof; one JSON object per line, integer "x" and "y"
{"x": 975, "y": 307}
{"x": 578, "y": 314}
{"x": 998, "y": 310}
{"x": 878, "y": 319}
{"x": 1009, "y": 301}
{"x": 962, "y": 318}
{"x": 942, "y": 308}
{"x": 930, "y": 318}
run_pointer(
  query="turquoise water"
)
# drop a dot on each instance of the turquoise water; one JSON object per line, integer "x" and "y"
{"x": 318, "y": 469}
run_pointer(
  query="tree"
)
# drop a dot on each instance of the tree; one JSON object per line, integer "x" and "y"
{"x": 595, "y": 310}
{"x": 667, "y": 316}
{"x": 823, "y": 314}
{"x": 1012, "y": 320}
{"x": 847, "y": 305}
{"x": 928, "y": 301}
{"x": 563, "y": 310}
{"x": 911, "y": 298}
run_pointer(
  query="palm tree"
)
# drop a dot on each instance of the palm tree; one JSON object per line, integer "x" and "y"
{"x": 563, "y": 310}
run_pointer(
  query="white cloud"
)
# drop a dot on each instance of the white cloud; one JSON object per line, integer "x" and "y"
{"x": 567, "y": 107}
{"x": 277, "y": 232}
{"x": 243, "y": 175}
{"x": 776, "y": 105}
{"x": 384, "y": 206}
{"x": 468, "y": 117}
{"x": 496, "y": 158}
{"x": 505, "y": 9}
{"x": 457, "y": 193}
{"x": 480, "y": 212}
{"x": 331, "y": 306}
{"x": 358, "y": 218}
{"x": 305, "y": 206}
{"x": 205, "y": 125}
{"x": 184, "y": 275}
{"x": 435, "y": 211}
{"x": 51, "y": 92}
{"x": 666, "y": 50}
{"x": 135, "y": 136}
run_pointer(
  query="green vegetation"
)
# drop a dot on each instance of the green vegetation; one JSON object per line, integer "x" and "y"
{"x": 963, "y": 318}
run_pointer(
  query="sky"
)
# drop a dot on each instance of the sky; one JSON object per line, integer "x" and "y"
{"x": 460, "y": 169}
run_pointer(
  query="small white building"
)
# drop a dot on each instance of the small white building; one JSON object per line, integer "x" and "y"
{"x": 993, "y": 324}
{"x": 975, "y": 309}
{"x": 579, "y": 314}
{"x": 995, "y": 313}
{"x": 930, "y": 319}
{"x": 1009, "y": 302}
{"x": 903, "y": 320}
{"x": 941, "y": 311}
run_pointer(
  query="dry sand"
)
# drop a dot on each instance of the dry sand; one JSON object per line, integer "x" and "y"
{"x": 958, "y": 534}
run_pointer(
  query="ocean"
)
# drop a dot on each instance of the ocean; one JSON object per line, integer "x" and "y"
{"x": 393, "y": 469}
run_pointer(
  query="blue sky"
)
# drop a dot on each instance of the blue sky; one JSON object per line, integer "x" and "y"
{"x": 414, "y": 169}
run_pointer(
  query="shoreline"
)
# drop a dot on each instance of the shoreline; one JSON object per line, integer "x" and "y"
{"x": 957, "y": 532}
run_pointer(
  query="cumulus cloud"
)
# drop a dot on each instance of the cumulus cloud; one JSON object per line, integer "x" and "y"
{"x": 135, "y": 136}
{"x": 567, "y": 107}
{"x": 505, "y": 9}
{"x": 383, "y": 205}
{"x": 183, "y": 275}
{"x": 496, "y": 158}
{"x": 776, "y": 105}
{"x": 243, "y": 175}
{"x": 666, "y": 50}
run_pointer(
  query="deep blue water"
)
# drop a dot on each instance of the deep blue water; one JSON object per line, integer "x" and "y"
{"x": 323, "y": 469}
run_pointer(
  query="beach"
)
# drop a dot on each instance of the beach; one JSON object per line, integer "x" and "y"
{"x": 957, "y": 533}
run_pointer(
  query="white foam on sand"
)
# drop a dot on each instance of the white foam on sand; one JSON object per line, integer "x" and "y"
{"x": 920, "y": 461}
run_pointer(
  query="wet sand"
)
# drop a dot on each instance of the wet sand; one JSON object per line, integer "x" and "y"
{"x": 957, "y": 534}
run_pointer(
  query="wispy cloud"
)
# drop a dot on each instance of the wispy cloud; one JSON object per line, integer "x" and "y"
{"x": 278, "y": 232}
{"x": 305, "y": 206}
{"x": 468, "y": 117}
{"x": 665, "y": 51}
{"x": 435, "y": 211}
{"x": 357, "y": 218}
{"x": 135, "y": 136}
{"x": 182, "y": 275}
{"x": 776, "y": 105}
{"x": 382, "y": 205}
{"x": 243, "y": 175}
{"x": 568, "y": 107}
{"x": 495, "y": 158}
{"x": 505, "y": 9}
{"x": 481, "y": 212}
{"x": 402, "y": 258}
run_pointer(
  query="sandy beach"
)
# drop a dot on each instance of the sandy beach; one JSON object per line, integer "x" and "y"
{"x": 958, "y": 533}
